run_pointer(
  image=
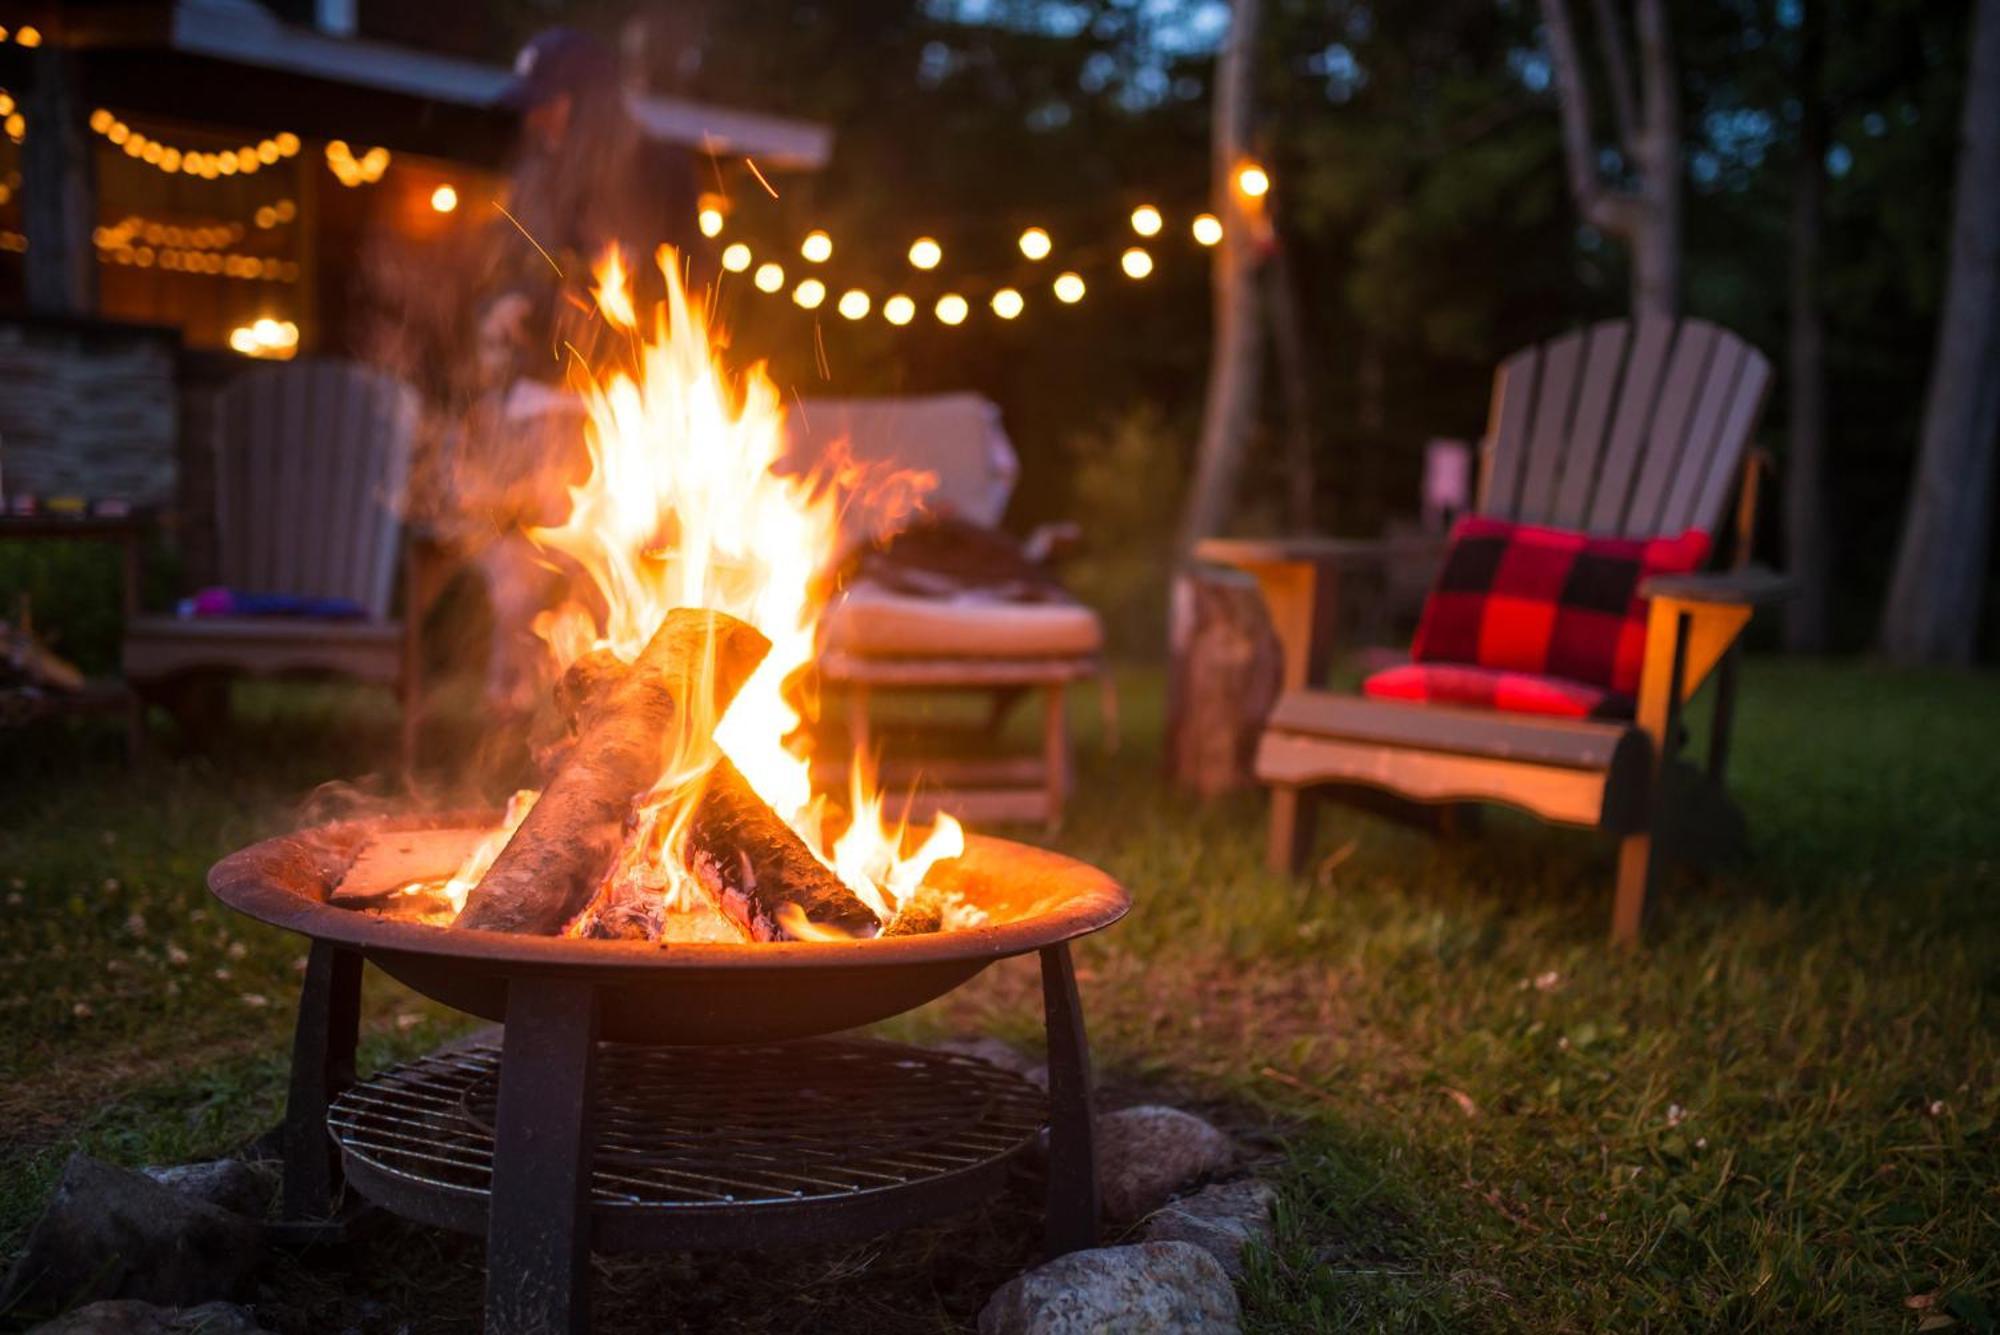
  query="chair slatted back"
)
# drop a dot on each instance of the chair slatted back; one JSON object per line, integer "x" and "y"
{"x": 311, "y": 459}
{"x": 1633, "y": 431}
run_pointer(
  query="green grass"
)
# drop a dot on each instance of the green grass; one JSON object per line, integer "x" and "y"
{"x": 1781, "y": 1114}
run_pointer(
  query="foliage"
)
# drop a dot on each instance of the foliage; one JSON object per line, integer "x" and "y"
{"x": 1780, "y": 1115}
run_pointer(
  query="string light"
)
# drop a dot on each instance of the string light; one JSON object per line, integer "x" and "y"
{"x": 244, "y": 159}
{"x": 810, "y": 293}
{"x": 1069, "y": 288}
{"x": 1035, "y": 244}
{"x": 925, "y": 253}
{"x": 1136, "y": 262}
{"x": 769, "y": 277}
{"x": 276, "y": 340}
{"x": 1207, "y": 228}
{"x": 27, "y": 35}
{"x": 817, "y": 247}
{"x": 951, "y": 308}
{"x": 352, "y": 171}
{"x": 1146, "y": 220}
{"x": 899, "y": 309}
{"x": 736, "y": 257}
{"x": 270, "y": 215}
{"x": 1253, "y": 181}
{"x": 444, "y": 199}
{"x": 854, "y": 305}
{"x": 1007, "y": 303}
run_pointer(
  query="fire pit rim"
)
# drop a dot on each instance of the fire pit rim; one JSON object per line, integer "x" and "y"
{"x": 270, "y": 881}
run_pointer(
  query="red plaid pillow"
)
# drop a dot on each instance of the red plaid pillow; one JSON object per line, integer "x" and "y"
{"x": 1548, "y": 601}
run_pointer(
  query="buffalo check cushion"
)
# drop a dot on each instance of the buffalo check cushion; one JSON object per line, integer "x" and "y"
{"x": 1548, "y": 602}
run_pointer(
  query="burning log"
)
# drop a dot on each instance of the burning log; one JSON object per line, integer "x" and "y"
{"x": 761, "y": 874}
{"x": 623, "y": 722}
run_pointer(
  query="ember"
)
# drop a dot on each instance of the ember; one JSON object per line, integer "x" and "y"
{"x": 680, "y": 805}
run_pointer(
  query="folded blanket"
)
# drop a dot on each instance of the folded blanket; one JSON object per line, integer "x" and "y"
{"x": 220, "y": 602}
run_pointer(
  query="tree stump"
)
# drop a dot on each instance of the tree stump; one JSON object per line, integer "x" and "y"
{"x": 1225, "y": 669}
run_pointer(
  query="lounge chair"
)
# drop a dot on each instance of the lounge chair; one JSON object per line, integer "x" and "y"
{"x": 878, "y": 638}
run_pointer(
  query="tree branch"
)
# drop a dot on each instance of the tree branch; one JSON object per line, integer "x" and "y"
{"x": 1618, "y": 72}
{"x": 1602, "y": 207}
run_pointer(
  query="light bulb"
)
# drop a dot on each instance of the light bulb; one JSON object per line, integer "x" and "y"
{"x": 1146, "y": 220}
{"x": 444, "y": 199}
{"x": 736, "y": 257}
{"x": 1253, "y": 180}
{"x": 925, "y": 253}
{"x": 1069, "y": 288}
{"x": 817, "y": 247}
{"x": 810, "y": 293}
{"x": 899, "y": 309}
{"x": 769, "y": 278}
{"x": 1136, "y": 262}
{"x": 854, "y": 305}
{"x": 951, "y": 308}
{"x": 1007, "y": 303}
{"x": 1207, "y": 228}
{"x": 1035, "y": 244}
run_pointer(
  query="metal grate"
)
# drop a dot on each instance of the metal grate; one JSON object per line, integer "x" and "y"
{"x": 705, "y": 1129}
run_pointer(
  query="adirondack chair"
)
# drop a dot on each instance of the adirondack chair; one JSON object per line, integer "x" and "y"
{"x": 1614, "y": 430}
{"x": 311, "y": 459}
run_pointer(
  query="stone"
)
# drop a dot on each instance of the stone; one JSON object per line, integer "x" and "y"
{"x": 1146, "y": 1154}
{"x": 235, "y": 1185}
{"x": 126, "y": 1316}
{"x": 1222, "y": 1220}
{"x": 1003, "y": 1055}
{"x": 108, "y": 1232}
{"x": 1151, "y": 1286}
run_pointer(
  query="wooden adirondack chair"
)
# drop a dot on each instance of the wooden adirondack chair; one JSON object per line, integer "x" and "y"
{"x": 311, "y": 459}
{"x": 1615, "y": 430}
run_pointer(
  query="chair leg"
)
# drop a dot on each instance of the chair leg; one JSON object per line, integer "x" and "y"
{"x": 1294, "y": 820}
{"x": 1635, "y": 875}
{"x": 1055, "y": 752}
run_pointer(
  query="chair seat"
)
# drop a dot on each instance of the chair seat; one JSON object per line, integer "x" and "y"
{"x": 876, "y": 623}
{"x": 1575, "y": 771}
{"x": 1496, "y": 688}
{"x": 162, "y": 646}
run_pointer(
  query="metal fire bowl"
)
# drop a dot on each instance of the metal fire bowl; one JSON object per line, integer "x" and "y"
{"x": 692, "y": 993}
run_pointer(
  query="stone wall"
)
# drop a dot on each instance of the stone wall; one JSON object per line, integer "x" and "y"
{"x": 89, "y": 409}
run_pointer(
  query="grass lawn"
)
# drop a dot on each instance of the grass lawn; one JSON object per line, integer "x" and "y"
{"x": 1780, "y": 1115}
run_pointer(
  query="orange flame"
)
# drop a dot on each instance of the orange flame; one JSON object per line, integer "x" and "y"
{"x": 685, "y": 507}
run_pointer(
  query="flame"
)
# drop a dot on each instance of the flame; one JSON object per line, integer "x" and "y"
{"x": 684, "y": 506}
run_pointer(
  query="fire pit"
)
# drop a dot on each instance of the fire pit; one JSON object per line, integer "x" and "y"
{"x": 655, "y": 1096}
{"x": 672, "y": 919}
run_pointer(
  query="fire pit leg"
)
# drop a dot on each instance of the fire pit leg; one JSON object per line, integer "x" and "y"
{"x": 538, "y": 1225}
{"x": 1072, "y": 1201}
{"x": 322, "y": 1067}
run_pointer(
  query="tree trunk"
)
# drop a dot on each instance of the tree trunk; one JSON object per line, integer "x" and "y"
{"x": 1227, "y": 667}
{"x": 1807, "y": 551}
{"x": 1295, "y": 382}
{"x": 59, "y": 191}
{"x": 1234, "y": 343}
{"x": 1932, "y": 614}
{"x": 1656, "y": 241}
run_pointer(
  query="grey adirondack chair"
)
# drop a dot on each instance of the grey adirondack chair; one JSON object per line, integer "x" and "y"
{"x": 1616, "y": 429}
{"x": 310, "y": 463}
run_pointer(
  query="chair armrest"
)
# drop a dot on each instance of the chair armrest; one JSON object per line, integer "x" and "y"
{"x": 1338, "y": 554}
{"x": 1752, "y": 586}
